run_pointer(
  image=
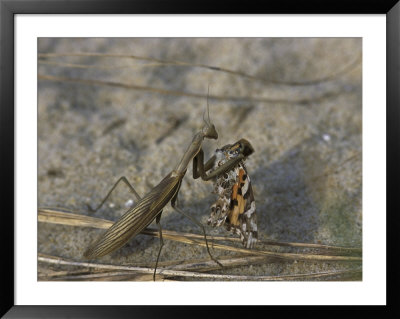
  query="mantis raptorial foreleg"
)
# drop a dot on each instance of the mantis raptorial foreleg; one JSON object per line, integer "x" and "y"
{"x": 200, "y": 169}
{"x": 121, "y": 179}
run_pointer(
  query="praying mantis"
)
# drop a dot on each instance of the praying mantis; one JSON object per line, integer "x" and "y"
{"x": 150, "y": 207}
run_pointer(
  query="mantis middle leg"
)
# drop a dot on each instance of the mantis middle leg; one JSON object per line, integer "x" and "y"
{"x": 121, "y": 179}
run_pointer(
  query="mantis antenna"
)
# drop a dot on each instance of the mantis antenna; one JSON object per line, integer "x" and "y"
{"x": 208, "y": 122}
{"x": 208, "y": 108}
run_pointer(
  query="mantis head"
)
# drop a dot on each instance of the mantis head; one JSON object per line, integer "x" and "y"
{"x": 208, "y": 129}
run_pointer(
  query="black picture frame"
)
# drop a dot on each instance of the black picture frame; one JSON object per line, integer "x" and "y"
{"x": 8, "y": 10}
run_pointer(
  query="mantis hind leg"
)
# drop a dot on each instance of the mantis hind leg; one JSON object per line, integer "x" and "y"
{"x": 161, "y": 243}
{"x": 121, "y": 179}
{"x": 173, "y": 204}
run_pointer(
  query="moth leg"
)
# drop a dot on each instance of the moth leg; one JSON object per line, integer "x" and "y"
{"x": 121, "y": 179}
{"x": 158, "y": 217}
{"x": 247, "y": 234}
{"x": 173, "y": 204}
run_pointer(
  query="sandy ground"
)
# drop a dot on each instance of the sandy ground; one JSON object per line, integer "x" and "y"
{"x": 302, "y": 112}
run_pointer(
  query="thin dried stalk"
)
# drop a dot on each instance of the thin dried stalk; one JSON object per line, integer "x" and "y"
{"x": 103, "y": 67}
{"x": 209, "y": 265}
{"x": 52, "y": 216}
{"x": 155, "y": 233}
{"x": 202, "y": 265}
{"x": 183, "y": 93}
{"x": 330, "y": 77}
{"x": 288, "y": 256}
{"x": 144, "y": 270}
{"x": 58, "y": 217}
{"x": 106, "y": 276}
{"x": 178, "y": 273}
{"x": 129, "y": 276}
{"x": 48, "y": 274}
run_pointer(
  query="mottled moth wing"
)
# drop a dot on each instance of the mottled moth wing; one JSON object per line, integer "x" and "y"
{"x": 235, "y": 206}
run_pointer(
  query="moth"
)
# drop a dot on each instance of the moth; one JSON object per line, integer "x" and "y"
{"x": 235, "y": 207}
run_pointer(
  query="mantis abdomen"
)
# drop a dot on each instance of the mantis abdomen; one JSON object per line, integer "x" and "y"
{"x": 135, "y": 219}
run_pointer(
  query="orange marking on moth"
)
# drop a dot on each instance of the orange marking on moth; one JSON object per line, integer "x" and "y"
{"x": 241, "y": 200}
{"x": 235, "y": 190}
{"x": 241, "y": 174}
{"x": 238, "y": 209}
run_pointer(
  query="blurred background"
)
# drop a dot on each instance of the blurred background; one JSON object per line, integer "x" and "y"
{"x": 112, "y": 107}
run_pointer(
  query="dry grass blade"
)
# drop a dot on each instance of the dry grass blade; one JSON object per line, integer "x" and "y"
{"x": 103, "y": 67}
{"x": 173, "y": 273}
{"x": 48, "y": 215}
{"x": 353, "y": 250}
{"x": 209, "y": 265}
{"x": 159, "y": 62}
{"x": 49, "y": 274}
{"x": 202, "y": 265}
{"x": 287, "y": 256}
{"x": 59, "y": 217}
{"x": 104, "y": 276}
{"x": 187, "y": 94}
{"x": 143, "y": 270}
